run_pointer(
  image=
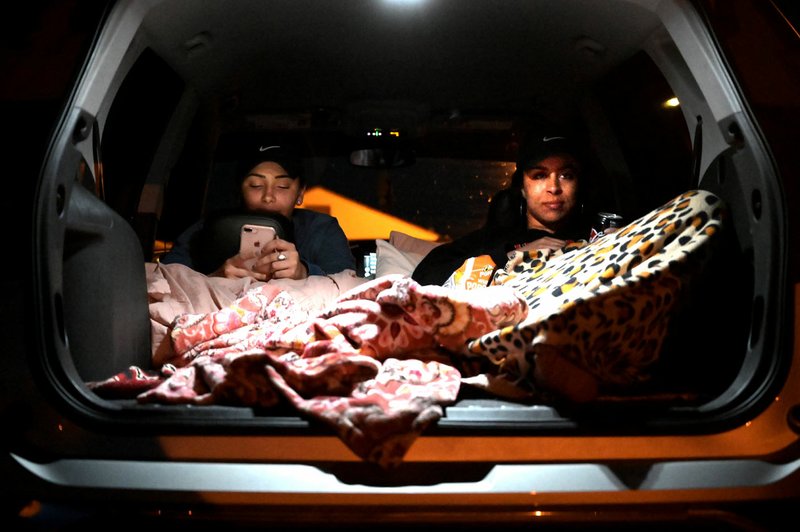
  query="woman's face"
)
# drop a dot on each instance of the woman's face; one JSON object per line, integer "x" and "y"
{"x": 550, "y": 189}
{"x": 269, "y": 189}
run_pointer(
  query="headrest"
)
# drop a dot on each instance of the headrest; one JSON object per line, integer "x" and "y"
{"x": 506, "y": 210}
{"x": 219, "y": 238}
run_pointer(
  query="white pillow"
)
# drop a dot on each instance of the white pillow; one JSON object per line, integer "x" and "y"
{"x": 405, "y": 243}
{"x": 391, "y": 260}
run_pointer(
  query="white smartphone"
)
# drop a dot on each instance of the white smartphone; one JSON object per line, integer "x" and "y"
{"x": 252, "y": 238}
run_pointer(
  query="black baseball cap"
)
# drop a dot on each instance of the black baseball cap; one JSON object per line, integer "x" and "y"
{"x": 284, "y": 154}
{"x": 541, "y": 147}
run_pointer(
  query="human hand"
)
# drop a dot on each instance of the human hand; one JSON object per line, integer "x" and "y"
{"x": 281, "y": 260}
{"x": 546, "y": 242}
{"x": 240, "y": 266}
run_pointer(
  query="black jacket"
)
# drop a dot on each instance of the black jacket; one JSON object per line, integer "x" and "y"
{"x": 505, "y": 230}
{"x": 442, "y": 261}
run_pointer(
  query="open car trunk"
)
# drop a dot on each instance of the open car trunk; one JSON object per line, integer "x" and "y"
{"x": 676, "y": 372}
{"x": 619, "y": 363}
{"x": 92, "y": 250}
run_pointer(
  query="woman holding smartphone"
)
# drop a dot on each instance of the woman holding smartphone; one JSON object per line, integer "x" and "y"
{"x": 274, "y": 185}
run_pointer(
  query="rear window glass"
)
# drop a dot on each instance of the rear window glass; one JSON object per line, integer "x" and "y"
{"x": 136, "y": 122}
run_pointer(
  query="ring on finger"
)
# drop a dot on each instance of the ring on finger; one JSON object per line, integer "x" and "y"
{"x": 281, "y": 256}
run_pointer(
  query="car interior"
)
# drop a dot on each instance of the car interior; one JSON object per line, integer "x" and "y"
{"x": 415, "y": 112}
{"x": 176, "y": 109}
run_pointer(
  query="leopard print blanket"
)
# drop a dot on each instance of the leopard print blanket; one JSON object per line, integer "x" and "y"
{"x": 602, "y": 308}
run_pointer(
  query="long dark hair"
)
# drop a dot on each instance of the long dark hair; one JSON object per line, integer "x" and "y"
{"x": 508, "y": 209}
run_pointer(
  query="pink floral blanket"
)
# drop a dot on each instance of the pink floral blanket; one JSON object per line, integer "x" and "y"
{"x": 375, "y": 365}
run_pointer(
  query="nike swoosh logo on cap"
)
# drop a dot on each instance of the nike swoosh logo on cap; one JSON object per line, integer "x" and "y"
{"x": 265, "y": 148}
{"x": 548, "y": 139}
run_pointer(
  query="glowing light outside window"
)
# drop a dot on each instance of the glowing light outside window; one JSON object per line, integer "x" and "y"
{"x": 672, "y": 102}
{"x": 378, "y": 132}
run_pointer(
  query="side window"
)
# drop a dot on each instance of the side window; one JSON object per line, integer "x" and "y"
{"x": 653, "y": 137}
{"x": 136, "y": 122}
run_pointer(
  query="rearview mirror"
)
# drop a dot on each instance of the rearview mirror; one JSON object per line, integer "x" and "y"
{"x": 382, "y": 157}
